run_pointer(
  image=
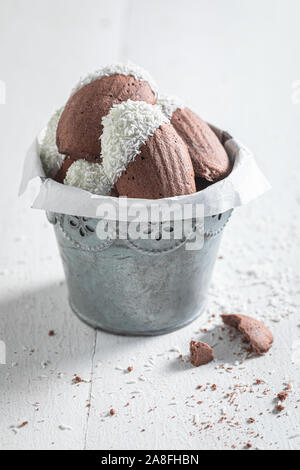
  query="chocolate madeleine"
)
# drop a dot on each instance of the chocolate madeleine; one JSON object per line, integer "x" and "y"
{"x": 210, "y": 160}
{"x": 80, "y": 126}
{"x": 162, "y": 169}
{"x": 143, "y": 155}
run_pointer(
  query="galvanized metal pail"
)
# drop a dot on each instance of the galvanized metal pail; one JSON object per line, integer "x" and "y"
{"x": 136, "y": 287}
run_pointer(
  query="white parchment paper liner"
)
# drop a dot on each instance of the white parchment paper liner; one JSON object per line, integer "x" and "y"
{"x": 245, "y": 183}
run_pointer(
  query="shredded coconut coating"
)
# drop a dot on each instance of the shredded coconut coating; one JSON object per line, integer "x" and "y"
{"x": 169, "y": 104}
{"x": 88, "y": 176}
{"x": 125, "y": 129}
{"x": 122, "y": 69}
{"x": 50, "y": 157}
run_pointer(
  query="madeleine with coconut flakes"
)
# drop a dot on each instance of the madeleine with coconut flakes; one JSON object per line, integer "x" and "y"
{"x": 210, "y": 160}
{"x": 62, "y": 173}
{"x": 80, "y": 126}
{"x": 51, "y": 159}
{"x": 88, "y": 176}
{"x": 143, "y": 155}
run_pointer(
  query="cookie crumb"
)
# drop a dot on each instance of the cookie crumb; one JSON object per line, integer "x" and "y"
{"x": 23, "y": 424}
{"x": 282, "y": 396}
{"x": 77, "y": 380}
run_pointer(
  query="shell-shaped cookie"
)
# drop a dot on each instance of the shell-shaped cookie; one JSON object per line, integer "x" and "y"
{"x": 143, "y": 155}
{"x": 80, "y": 126}
{"x": 163, "y": 168}
{"x": 210, "y": 160}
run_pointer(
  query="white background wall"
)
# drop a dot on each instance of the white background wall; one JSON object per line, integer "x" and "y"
{"x": 234, "y": 62}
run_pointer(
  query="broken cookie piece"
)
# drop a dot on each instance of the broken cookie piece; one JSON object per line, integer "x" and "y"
{"x": 282, "y": 396}
{"x": 258, "y": 335}
{"x": 201, "y": 353}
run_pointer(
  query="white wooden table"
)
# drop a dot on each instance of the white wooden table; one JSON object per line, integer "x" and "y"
{"x": 234, "y": 62}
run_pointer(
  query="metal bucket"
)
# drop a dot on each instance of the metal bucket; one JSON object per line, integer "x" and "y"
{"x": 136, "y": 287}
